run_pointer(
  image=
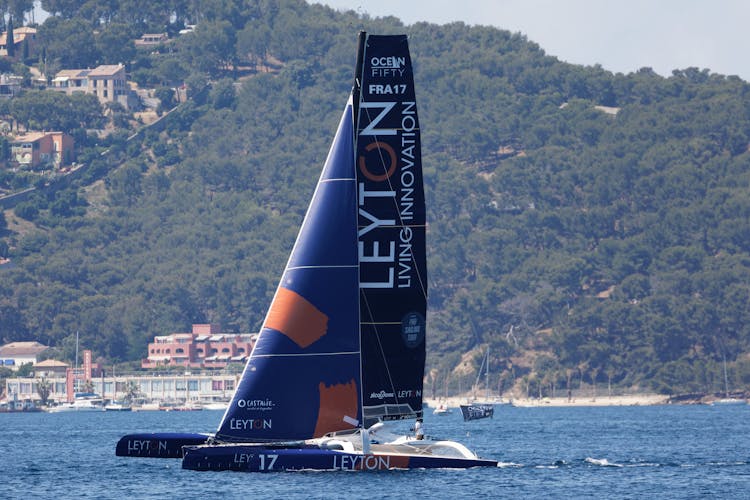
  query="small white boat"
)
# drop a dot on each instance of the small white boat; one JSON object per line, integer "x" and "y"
{"x": 442, "y": 411}
{"x": 216, "y": 405}
{"x": 118, "y": 406}
{"x": 81, "y": 402}
{"x": 729, "y": 401}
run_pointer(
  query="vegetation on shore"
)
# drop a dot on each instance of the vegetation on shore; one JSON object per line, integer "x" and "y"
{"x": 590, "y": 227}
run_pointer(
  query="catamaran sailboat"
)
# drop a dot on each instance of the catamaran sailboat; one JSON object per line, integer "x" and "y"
{"x": 342, "y": 348}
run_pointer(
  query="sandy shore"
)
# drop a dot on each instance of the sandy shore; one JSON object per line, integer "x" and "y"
{"x": 623, "y": 400}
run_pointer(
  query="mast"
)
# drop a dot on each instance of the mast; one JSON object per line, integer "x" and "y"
{"x": 356, "y": 92}
{"x": 487, "y": 376}
{"x": 357, "y": 88}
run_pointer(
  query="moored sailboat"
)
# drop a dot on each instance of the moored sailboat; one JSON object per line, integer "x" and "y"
{"x": 348, "y": 316}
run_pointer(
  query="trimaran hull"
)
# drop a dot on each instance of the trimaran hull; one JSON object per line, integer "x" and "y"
{"x": 254, "y": 458}
{"x": 197, "y": 455}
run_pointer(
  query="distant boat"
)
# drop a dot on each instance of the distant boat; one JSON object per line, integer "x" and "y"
{"x": 15, "y": 406}
{"x": 216, "y": 405}
{"x": 729, "y": 401}
{"x": 442, "y": 410}
{"x": 85, "y": 401}
{"x": 476, "y": 410}
{"x": 118, "y": 406}
{"x": 342, "y": 348}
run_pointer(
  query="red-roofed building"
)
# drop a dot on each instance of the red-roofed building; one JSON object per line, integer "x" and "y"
{"x": 205, "y": 347}
{"x": 39, "y": 148}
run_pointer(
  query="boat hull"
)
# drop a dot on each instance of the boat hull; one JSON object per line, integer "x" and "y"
{"x": 254, "y": 458}
{"x": 157, "y": 445}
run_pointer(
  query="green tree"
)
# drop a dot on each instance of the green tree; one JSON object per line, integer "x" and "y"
{"x": 69, "y": 42}
{"x": 210, "y": 48}
{"x": 11, "y": 43}
{"x": 115, "y": 43}
{"x": 43, "y": 388}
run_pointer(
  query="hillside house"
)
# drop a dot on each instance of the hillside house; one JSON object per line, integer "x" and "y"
{"x": 15, "y": 354}
{"x": 34, "y": 149}
{"x": 10, "y": 85}
{"x": 21, "y": 36}
{"x": 107, "y": 82}
{"x": 151, "y": 39}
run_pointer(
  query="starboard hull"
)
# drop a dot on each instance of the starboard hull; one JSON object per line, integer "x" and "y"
{"x": 254, "y": 458}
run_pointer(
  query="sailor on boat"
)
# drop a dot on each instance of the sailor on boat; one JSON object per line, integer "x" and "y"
{"x": 418, "y": 432}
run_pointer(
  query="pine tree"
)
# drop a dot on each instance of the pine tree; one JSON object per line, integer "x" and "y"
{"x": 10, "y": 41}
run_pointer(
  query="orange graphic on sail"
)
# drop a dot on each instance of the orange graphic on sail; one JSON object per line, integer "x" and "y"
{"x": 294, "y": 316}
{"x": 336, "y": 402}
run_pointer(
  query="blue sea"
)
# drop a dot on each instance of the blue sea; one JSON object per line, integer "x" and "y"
{"x": 605, "y": 452}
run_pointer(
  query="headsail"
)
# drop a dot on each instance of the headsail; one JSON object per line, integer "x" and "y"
{"x": 391, "y": 231}
{"x": 303, "y": 377}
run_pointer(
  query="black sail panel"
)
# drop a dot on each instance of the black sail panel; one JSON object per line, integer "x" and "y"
{"x": 391, "y": 232}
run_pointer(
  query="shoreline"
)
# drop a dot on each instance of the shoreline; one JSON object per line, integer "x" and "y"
{"x": 621, "y": 400}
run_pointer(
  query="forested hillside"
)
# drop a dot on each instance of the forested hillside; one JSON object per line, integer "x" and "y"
{"x": 590, "y": 227}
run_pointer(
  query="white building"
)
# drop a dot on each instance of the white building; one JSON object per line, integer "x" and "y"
{"x": 15, "y": 354}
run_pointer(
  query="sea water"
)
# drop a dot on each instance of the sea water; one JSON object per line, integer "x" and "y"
{"x": 602, "y": 452}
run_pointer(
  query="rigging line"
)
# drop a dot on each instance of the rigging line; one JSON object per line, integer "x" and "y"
{"x": 380, "y": 345}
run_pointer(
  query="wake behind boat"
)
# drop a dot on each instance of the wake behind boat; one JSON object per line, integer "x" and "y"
{"x": 349, "y": 313}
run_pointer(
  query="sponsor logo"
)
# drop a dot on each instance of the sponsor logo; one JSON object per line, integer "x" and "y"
{"x": 256, "y": 404}
{"x": 381, "y": 395}
{"x": 250, "y": 424}
{"x": 136, "y": 446}
{"x": 390, "y": 165}
{"x": 387, "y": 66}
{"x": 361, "y": 462}
{"x": 412, "y": 329}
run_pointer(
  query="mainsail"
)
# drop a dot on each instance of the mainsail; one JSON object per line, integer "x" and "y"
{"x": 391, "y": 232}
{"x": 343, "y": 343}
